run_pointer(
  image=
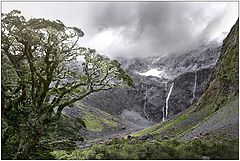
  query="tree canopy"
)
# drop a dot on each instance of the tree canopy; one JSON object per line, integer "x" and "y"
{"x": 39, "y": 80}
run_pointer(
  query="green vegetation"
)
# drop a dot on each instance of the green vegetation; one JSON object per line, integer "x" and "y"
{"x": 38, "y": 81}
{"x": 92, "y": 123}
{"x": 37, "y": 84}
{"x": 119, "y": 149}
{"x": 95, "y": 119}
{"x": 225, "y": 79}
{"x": 175, "y": 127}
{"x": 222, "y": 90}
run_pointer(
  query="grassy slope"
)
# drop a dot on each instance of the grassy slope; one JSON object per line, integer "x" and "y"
{"x": 95, "y": 119}
{"x": 64, "y": 132}
{"x": 224, "y": 88}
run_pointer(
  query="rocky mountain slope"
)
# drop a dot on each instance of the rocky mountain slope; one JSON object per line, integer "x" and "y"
{"x": 226, "y": 120}
{"x": 155, "y": 98}
{"x": 217, "y": 111}
{"x": 178, "y": 84}
{"x": 209, "y": 129}
{"x": 154, "y": 77}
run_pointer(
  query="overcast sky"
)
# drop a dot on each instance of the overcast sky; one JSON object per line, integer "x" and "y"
{"x": 137, "y": 29}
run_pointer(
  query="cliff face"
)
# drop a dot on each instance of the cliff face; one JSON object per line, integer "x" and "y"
{"x": 224, "y": 84}
{"x": 190, "y": 73}
{"x": 217, "y": 110}
{"x": 189, "y": 87}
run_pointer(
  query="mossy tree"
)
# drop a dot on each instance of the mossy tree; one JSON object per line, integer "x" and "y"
{"x": 37, "y": 82}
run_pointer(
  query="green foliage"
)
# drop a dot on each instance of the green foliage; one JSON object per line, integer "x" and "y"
{"x": 122, "y": 149}
{"x": 164, "y": 126}
{"x": 37, "y": 77}
{"x": 43, "y": 154}
{"x": 63, "y": 133}
{"x": 96, "y": 119}
{"x": 92, "y": 123}
{"x": 223, "y": 88}
{"x": 60, "y": 154}
{"x": 224, "y": 83}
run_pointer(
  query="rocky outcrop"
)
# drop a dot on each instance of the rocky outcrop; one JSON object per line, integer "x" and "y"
{"x": 190, "y": 73}
{"x": 187, "y": 89}
{"x": 224, "y": 82}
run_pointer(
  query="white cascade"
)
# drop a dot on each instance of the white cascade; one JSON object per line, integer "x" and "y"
{"x": 194, "y": 88}
{"x": 168, "y": 96}
{"x": 145, "y": 103}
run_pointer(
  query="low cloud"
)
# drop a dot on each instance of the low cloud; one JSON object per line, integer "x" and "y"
{"x": 151, "y": 29}
{"x": 139, "y": 29}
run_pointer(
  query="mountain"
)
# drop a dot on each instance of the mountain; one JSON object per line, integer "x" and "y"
{"x": 164, "y": 87}
{"x": 153, "y": 78}
{"x": 208, "y": 129}
{"x": 216, "y": 112}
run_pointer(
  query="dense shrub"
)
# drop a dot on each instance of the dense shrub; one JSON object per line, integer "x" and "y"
{"x": 121, "y": 149}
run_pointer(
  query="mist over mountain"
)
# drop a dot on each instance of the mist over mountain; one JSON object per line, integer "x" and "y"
{"x": 147, "y": 80}
{"x": 139, "y": 29}
{"x": 153, "y": 77}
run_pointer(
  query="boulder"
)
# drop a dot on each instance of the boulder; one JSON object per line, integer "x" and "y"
{"x": 145, "y": 137}
{"x": 165, "y": 137}
{"x": 206, "y": 158}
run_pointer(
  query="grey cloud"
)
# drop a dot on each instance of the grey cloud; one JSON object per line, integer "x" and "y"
{"x": 212, "y": 25}
{"x": 115, "y": 14}
{"x": 147, "y": 28}
{"x": 161, "y": 27}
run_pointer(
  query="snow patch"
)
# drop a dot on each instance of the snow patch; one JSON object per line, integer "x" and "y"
{"x": 154, "y": 73}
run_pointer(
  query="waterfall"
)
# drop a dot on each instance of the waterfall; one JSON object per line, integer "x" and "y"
{"x": 194, "y": 88}
{"x": 145, "y": 103}
{"x": 163, "y": 118}
{"x": 168, "y": 96}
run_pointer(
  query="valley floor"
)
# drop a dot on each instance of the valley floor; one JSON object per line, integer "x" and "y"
{"x": 129, "y": 122}
{"x": 215, "y": 137}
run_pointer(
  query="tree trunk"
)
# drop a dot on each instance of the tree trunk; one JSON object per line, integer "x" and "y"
{"x": 30, "y": 139}
{"x": 27, "y": 147}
